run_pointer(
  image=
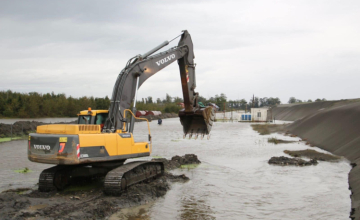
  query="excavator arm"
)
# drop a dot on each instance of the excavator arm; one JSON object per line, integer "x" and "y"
{"x": 195, "y": 120}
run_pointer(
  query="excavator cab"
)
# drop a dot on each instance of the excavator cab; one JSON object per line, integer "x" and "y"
{"x": 93, "y": 117}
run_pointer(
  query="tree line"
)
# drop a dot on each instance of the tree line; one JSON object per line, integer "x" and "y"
{"x": 33, "y": 104}
{"x": 220, "y": 100}
{"x": 295, "y": 100}
{"x": 36, "y": 105}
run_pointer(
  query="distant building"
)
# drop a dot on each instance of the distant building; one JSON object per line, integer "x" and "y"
{"x": 140, "y": 113}
{"x": 255, "y": 115}
{"x": 259, "y": 114}
{"x": 153, "y": 113}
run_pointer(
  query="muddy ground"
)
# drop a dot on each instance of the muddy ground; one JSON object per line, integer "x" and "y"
{"x": 312, "y": 154}
{"x": 86, "y": 200}
{"x": 279, "y": 141}
{"x": 264, "y": 129}
{"x": 287, "y": 161}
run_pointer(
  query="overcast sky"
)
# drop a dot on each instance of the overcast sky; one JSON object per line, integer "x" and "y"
{"x": 307, "y": 49}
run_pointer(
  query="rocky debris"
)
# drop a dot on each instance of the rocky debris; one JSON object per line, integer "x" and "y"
{"x": 177, "y": 161}
{"x": 88, "y": 203}
{"x": 286, "y": 161}
{"x": 312, "y": 154}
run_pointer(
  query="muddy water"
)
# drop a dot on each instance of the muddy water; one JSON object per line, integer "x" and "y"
{"x": 14, "y": 158}
{"x": 234, "y": 180}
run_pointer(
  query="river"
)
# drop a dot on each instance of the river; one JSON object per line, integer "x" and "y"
{"x": 234, "y": 180}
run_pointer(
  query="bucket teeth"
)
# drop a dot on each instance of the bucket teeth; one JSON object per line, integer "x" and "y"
{"x": 198, "y": 122}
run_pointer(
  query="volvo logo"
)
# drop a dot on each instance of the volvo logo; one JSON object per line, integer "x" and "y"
{"x": 166, "y": 59}
{"x": 41, "y": 147}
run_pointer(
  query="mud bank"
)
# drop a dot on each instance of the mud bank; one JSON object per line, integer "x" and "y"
{"x": 312, "y": 154}
{"x": 86, "y": 200}
{"x": 337, "y": 131}
{"x": 332, "y": 126}
{"x": 286, "y": 161}
{"x": 293, "y": 112}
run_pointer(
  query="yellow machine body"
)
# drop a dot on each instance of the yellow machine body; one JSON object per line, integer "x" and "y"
{"x": 83, "y": 144}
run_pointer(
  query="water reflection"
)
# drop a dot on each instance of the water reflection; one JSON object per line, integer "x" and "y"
{"x": 194, "y": 208}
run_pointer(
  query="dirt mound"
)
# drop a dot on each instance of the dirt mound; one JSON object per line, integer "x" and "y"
{"x": 177, "y": 161}
{"x": 286, "y": 161}
{"x": 82, "y": 202}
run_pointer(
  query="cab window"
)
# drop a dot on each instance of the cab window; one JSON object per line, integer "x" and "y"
{"x": 84, "y": 119}
{"x": 101, "y": 118}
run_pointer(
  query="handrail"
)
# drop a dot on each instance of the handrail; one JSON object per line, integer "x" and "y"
{"x": 128, "y": 110}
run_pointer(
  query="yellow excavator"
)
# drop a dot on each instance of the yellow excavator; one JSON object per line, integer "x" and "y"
{"x": 102, "y": 140}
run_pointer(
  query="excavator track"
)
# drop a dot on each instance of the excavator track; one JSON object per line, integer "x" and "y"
{"x": 54, "y": 178}
{"x": 129, "y": 174}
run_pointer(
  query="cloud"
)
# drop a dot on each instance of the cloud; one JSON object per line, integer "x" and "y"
{"x": 306, "y": 49}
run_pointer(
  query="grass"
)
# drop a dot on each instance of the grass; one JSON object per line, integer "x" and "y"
{"x": 175, "y": 140}
{"x": 157, "y": 157}
{"x": 19, "y": 191}
{"x": 25, "y": 170}
{"x": 189, "y": 166}
{"x": 264, "y": 129}
{"x": 6, "y": 139}
{"x": 279, "y": 141}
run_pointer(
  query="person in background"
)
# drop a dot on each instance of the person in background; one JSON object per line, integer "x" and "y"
{"x": 159, "y": 121}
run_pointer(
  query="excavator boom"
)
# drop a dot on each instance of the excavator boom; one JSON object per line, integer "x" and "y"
{"x": 195, "y": 119}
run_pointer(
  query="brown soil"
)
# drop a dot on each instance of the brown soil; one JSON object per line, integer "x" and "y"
{"x": 85, "y": 202}
{"x": 286, "y": 161}
{"x": 264, "y": 129}
{"x": 312, "y": 154}
{"x": 279, "y": 141}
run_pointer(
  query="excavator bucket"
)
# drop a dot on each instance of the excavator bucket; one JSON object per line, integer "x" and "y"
{"x": 198, "y": 122}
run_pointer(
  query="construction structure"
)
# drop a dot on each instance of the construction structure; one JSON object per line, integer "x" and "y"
{"x": 255, "y": 115}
